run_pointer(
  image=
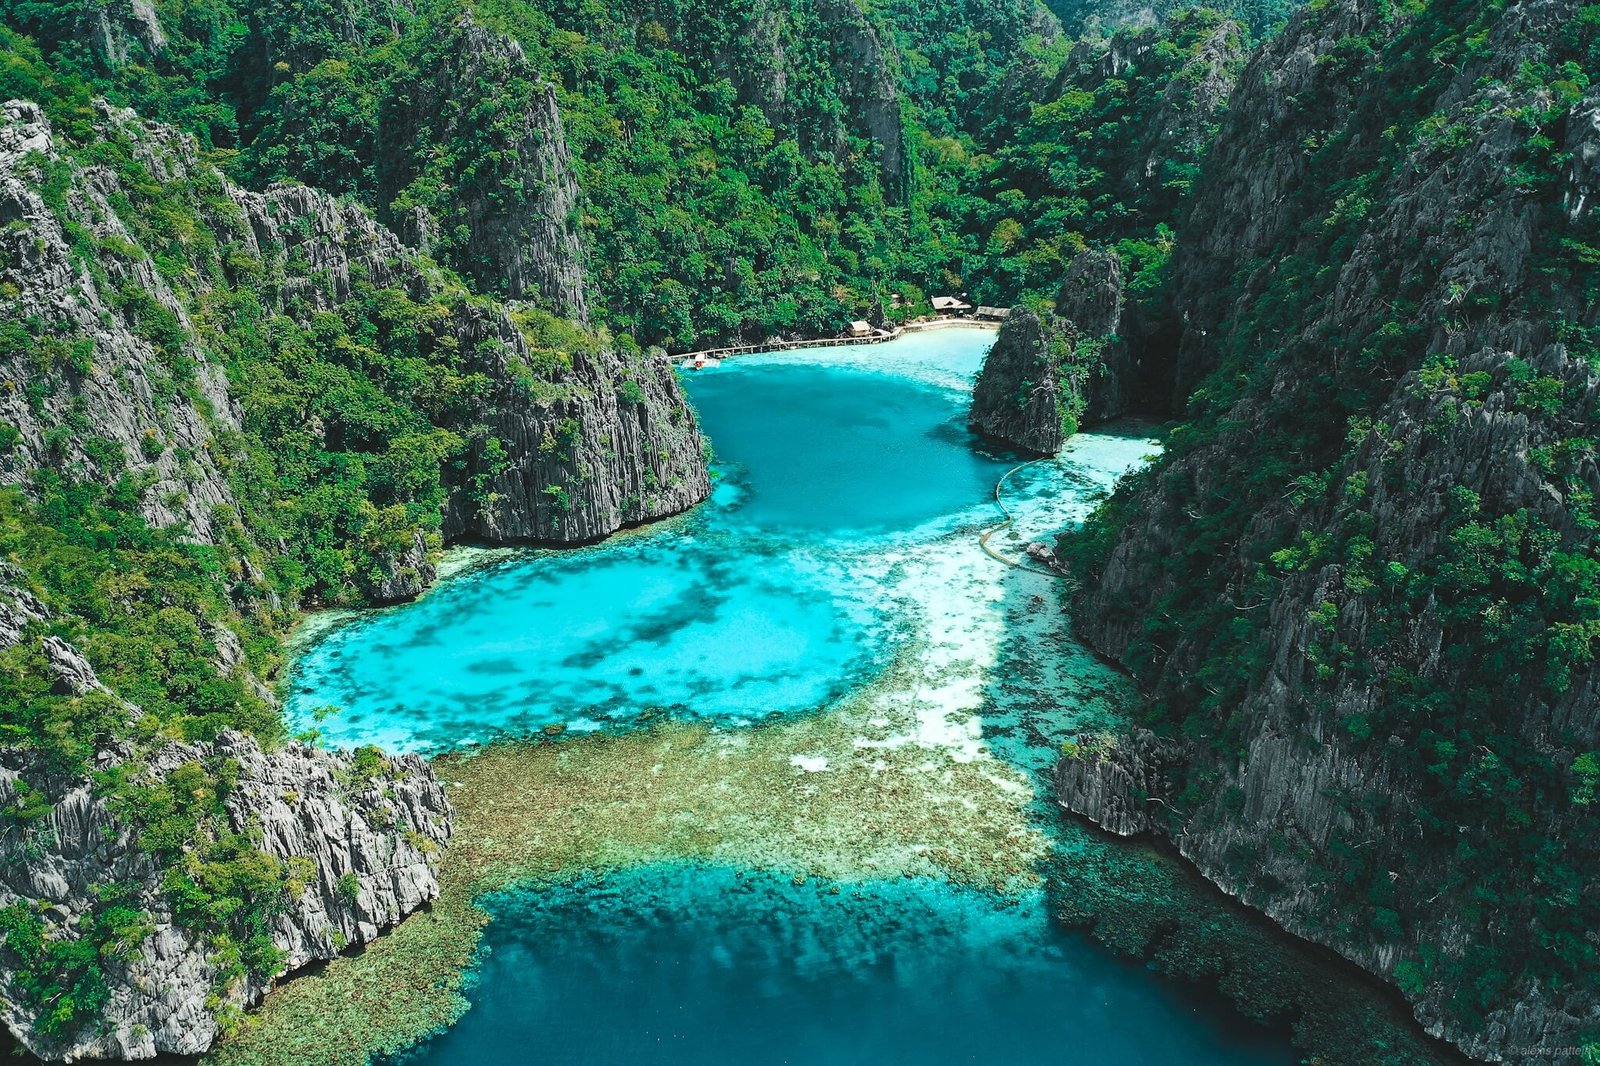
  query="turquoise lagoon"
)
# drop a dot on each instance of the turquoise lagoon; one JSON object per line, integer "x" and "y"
{"x": 778, "y": 596}
{"x": 837, "y": 561}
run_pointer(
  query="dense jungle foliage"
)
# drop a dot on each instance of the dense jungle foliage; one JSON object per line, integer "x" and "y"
{"x": 734, "y": 162}
{"x": 745, "y": 171}
{"x": 1517, "y": 600}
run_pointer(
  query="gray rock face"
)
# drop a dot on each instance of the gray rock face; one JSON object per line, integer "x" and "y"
{"x": 864, "y": 60}
{"x": 116, "y": 382}
{"x": 1239, "y": 220}
{"x": 1583, "y": 178}
{"x": 1048, "y": 376}
{"x": 122, "y": 30}
{"x": 563, "y": 446}
{"x": 1115, "y": 782}
{"x": 1106, "y": 374}
{"x": 767, "y": 61}
{"x": 407, "y": 574}
{"x": 520, "y": 209}
{"x": 363, "y": 835}
{"x": 1302, "y": 814}
{"x": 619, "y": 446}
{"x": 1183, "y": 124}
{"x": 367, "y": 846}
{"x": 608, "y": 443}
{"x": 1021, "y": 394}
{"x": 1091, "y": 293}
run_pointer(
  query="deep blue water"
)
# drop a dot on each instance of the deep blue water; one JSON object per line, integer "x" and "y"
{"x": 840, "y": 452}
{"x": 673, "y": 966}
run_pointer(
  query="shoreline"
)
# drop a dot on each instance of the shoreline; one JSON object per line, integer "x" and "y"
{"x": 876, "y": 337}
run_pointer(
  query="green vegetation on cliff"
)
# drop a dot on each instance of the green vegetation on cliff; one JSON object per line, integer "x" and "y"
{"x": 679, "y": 172}
{"x": 1382, "y": 500}
{"x": 781, "y": 168}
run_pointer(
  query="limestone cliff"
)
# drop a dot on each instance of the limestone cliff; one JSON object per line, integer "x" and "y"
{"x": 1348, "y": 590}
{"x": 348, "y": 844}
{"x": 153, "y": 319}
{"x": 1050, "y": 374}
{"x": 519, "y": 204}
{"x": 774, "y": 64}
{"x": 1022, "y": 396}
{"x": 1107, "y": 376}
{"x": 583, "y": 441}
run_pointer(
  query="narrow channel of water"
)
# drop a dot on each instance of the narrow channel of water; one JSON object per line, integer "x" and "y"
{"x": 837, "y": 564}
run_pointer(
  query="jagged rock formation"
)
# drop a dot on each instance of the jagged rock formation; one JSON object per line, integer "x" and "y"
{"x": 1105, "y": 157}
{"x": 406, "y": 574}
{"x": 116, "y": 385}
{"x": 619, "y": 449}
{"x": 520, "y": 205}
{"x": 1183, "y": 123}
{"x": 1091, "y": 293}
{"x": 127, "y": 371}
{"x": 763, "y": 61}
{"x": 1340, "y": 589}
{"x": 608, "y": 442}
{"x": 1107, "y": 374}
{"x": 864, "y": 61}
{"x": 365, "y": 847}
{"x": 1049, "y": 375}
{"x": 355, "y": 841}
{"x": 122, "y": 29}
{"x": 1022, "y": 394}
{"x": 1115, "y": 782}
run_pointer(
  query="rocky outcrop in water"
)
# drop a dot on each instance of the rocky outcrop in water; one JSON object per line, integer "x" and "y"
{"x": 1340, "y": 589}
{"x": 616, "y": 447}
{"x": 1021, "y": 397}
{"x": 1106, "y": 376}
{"x": 1048, "y": 375}
{"x": 1116, "y": 782}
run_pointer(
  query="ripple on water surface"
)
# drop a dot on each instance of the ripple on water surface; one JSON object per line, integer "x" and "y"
{"x": 667, "y": 965}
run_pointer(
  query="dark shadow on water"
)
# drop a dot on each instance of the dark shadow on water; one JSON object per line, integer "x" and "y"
{"x": 1141, "y": 902}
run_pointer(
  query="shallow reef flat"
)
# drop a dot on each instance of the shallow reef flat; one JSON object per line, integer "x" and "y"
{"x": 825, "y": 797}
